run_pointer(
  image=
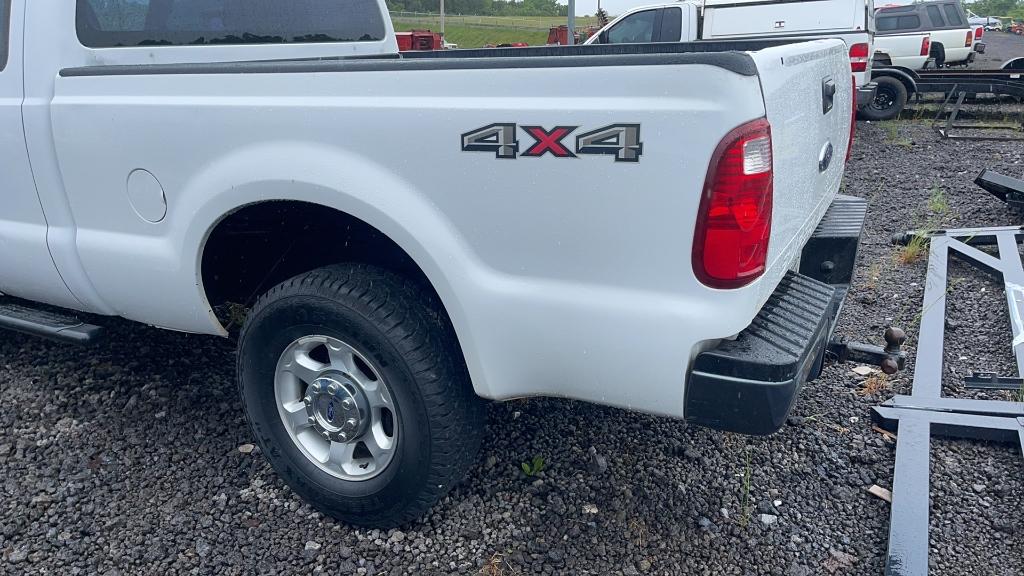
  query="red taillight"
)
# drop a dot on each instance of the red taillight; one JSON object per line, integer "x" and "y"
{"x": 859, "y": 57}
{"x": 730, "y": 244}
{"x": 970, "y": 39}
{"x": 978, "y": 32}
{"x": 926, "y": 45}
{"x": 853, "y": 118}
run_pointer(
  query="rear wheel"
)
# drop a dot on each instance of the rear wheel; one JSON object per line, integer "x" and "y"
{"x": 938, "y": 53}
{"x": 355, "y": 389}
{"x": 890, "y": 98}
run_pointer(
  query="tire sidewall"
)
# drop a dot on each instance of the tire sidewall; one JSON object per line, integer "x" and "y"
{"x": 899, "y": 96}
{"x": 265, "y": 338}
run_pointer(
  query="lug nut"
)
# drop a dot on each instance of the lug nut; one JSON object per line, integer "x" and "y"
{"x": 333, "y": 388}
{"x": 343, "y": 436}
{"x": 311, "y": 420}
{"x": 352, "y": 422}
{"x": 346, "y": 404}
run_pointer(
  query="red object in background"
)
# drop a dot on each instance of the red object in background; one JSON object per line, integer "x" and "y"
{"x": 416, "y": 40}
{"x": 560, "y": 35}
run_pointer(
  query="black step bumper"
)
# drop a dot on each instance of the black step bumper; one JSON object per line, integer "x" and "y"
{"x": 749, "y": 385}
{"x": 866, "y": 94}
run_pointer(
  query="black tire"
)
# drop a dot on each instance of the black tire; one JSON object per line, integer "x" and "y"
{"x": 404, "y": 330}
{"x": 938, "y": 53}
{"x": 890, "y": 98}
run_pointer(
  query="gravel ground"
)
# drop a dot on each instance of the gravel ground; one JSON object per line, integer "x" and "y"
{"x": 133, "y": 458}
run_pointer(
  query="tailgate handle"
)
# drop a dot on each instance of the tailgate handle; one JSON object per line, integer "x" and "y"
{"x": 828, "y": 94}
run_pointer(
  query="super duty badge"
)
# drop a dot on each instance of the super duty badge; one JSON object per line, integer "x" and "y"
{"x": 619, "y": 140}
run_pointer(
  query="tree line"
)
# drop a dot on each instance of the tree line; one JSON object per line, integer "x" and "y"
{"x": 1005, "y": 8}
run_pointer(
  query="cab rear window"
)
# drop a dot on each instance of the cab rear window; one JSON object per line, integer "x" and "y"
{"x": 118, "y": 23}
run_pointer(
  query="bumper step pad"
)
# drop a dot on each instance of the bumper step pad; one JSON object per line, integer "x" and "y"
{"x": 749, "y": 384}
{"x": 831, "y": 252}
{"x": 46, "y": 323}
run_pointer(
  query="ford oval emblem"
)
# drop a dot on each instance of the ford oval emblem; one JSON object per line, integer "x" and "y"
{"x": 330, "y": 411}
{"x": 825, "y": 157}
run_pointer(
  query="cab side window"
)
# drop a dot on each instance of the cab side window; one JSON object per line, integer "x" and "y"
{"x": 118, "y": 23}
{"x": 5, "y": 24}
{"x": 936, "y": 16}
{"x": 671, "y": 24}
{"x": 633, "y": 29}
{"x": 953, "y": 15}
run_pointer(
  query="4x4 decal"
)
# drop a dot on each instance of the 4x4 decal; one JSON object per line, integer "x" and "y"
{"x": 619, "y": 140}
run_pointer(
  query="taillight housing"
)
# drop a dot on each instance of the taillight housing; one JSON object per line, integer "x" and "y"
{"x": 926, "y": 45}
{"x": 859, "y": 57}
{"x": 970, "y": 39}
{"x": 978, "y": 32}
{"x": 730, "y": 242}
{"x": 853, "y": 118}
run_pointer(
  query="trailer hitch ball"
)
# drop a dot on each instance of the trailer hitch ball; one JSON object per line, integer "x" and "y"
{"x": 890, "y": 359}
{"x": 894, "y": 340}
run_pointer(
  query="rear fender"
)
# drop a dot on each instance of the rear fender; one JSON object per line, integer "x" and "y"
{"x": 905, "y": 75}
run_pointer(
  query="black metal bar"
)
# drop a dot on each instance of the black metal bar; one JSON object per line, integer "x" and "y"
{"x": 1005, "y": 188}
{"x": 908, "y": 522}
{"x": 962, "y": 406}
{"x": 992, "y": 381}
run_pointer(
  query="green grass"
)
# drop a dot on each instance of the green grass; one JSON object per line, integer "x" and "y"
{"x": 478, "y": 31}
{"x": 473, "y": 37}
{"x": 432, "y": 21}
{"x": 937, "y": 201}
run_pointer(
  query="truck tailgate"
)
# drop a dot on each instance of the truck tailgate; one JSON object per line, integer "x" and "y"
{"x": 810, "y": 136}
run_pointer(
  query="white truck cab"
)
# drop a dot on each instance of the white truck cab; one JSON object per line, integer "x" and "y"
{"x": 690, "y": 21}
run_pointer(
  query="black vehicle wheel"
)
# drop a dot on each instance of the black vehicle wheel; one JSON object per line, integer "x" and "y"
{"x": 890, "y": 98}
{"x": 938, "y": 53}
{"x": 356, "y": 391}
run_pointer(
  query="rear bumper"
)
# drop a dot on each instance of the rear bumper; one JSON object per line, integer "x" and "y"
{"x": 749, "y": 385}
{"x": 865, "y": 94}
{"x": 979, "y": 47}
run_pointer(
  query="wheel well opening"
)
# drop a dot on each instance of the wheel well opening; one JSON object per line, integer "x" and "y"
{"x": 264, "y": 244}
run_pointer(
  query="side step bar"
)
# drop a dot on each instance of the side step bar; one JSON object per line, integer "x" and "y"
{"x": 47, "y": 324}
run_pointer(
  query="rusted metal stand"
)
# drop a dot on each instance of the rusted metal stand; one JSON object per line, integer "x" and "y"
{"x": 925, "y": 412}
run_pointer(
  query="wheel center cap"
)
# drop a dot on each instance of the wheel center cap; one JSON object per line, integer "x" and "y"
{"x": 336, "y": 407}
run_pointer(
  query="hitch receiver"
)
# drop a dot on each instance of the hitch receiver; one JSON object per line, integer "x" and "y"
{"x": 890, "y": 359}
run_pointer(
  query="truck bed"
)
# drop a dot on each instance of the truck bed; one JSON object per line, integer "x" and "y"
{"x": 567, "y": 253}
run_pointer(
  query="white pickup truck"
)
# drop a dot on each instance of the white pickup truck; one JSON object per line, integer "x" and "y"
{"x": 952, "y": 38}
{"x": 780, "y": 20}
{"x": 411, "y": 233}
{"x": 909, "y": 50}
